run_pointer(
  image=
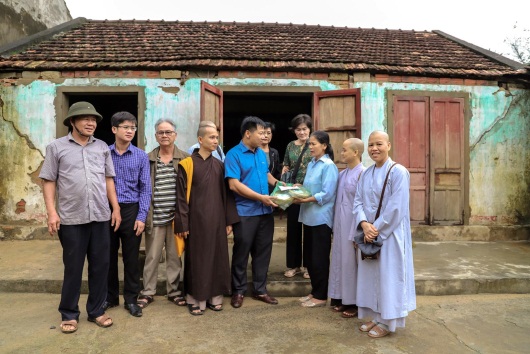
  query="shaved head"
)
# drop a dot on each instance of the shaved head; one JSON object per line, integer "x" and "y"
{"x": 355, "y": 144}
{"x": 380, "y": 134}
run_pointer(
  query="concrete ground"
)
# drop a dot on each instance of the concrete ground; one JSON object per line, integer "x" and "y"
{"x": 441, "y": 324}
{"x": 441, "y": 268}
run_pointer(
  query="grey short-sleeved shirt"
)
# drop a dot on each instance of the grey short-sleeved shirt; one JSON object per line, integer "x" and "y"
{"x": 79, "y": 172}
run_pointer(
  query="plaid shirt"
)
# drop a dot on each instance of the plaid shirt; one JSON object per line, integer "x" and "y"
{"x": 133, "y": 180}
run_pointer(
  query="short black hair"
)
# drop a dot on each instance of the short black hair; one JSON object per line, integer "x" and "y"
{"x": 120, "y": 117}
{"x": 301, "y": 119}
{"x": 269, "y": 125}
{"x": 251, "y": 123}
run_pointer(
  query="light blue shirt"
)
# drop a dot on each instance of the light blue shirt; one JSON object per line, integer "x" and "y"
{"x": 217, "y": 153}
{"x": 321, "y": 180}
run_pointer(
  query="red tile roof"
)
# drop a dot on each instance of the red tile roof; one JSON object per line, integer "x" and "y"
{"x": 107, "y": 45}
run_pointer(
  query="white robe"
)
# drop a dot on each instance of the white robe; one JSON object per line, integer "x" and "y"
{"x": 343, "y": 270}
{"x": 386, "y": 285}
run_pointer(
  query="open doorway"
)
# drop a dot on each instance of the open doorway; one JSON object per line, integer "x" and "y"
{"x": 277, "y": 108}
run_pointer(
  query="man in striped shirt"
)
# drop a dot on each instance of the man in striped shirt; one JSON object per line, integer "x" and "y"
{"x": 133, "y": 187}
{"x": 163, "y": 162}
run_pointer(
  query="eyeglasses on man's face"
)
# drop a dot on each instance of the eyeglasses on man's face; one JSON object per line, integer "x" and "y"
{"x": 165, "y": 132}
{"x": 128, "y": 127}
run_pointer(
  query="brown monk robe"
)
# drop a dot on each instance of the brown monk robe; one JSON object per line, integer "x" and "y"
{"x": 210, "y": 210}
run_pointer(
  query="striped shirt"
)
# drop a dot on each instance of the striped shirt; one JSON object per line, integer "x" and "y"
{"x": 79, "y": 173}
{"x": 133, "y": 181}
{"x": 165, "y": 196}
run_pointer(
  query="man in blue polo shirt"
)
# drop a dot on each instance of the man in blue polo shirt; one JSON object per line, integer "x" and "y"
{"x": 248, "y": 176}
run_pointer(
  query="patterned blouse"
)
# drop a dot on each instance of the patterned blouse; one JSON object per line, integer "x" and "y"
{"x": 292, "y": 152}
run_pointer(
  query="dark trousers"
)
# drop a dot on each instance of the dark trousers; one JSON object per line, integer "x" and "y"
{"x": 130, "y": 247}
{"x": 252, "y": 236}
{"x": 296, "y": 255}
{"x": 319, "y": 247}
{"x": 79, "y": 241}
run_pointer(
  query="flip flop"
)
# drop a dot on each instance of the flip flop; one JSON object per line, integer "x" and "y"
{"x": 339, "y": 308}
{"x": 311, "y": 304}
{"x": 305, "y": 298}
{"x": 72, "y": 323}
{"x": 378, "y": 332}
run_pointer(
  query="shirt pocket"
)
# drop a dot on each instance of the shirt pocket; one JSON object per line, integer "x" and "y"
{"x": 96, "y": 161}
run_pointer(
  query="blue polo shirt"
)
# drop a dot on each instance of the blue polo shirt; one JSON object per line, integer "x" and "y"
{"x": 251, "y": 169}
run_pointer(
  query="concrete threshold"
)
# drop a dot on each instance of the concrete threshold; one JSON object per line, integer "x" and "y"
{"x": 441, "y": 268}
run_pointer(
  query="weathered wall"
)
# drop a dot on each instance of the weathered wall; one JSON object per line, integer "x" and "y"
{"x": 498, "y": 133}
{"x": 21, "y": 18}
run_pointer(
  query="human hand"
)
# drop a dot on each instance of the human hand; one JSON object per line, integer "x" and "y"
{"x": 228, "y": 229}
{"x": 370, "y": 231}
{"x": 115, "y": 219}
{"x": 184, "y": 234}
{"x": 267, "y": 200}
{"x": 285, "y": 169}
{"x": 54, "y": 223}
{"x": 139, "y": 227}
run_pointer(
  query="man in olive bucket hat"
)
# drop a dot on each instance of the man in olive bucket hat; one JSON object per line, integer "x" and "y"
{"x": 78, "y": 167}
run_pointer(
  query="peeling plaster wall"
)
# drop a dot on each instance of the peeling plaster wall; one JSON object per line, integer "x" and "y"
{"x": 499, "y": 172}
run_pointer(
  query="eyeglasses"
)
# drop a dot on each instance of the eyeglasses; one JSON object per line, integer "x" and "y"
{"x": 165, "y": 132}
{"x": 128, "y": 127}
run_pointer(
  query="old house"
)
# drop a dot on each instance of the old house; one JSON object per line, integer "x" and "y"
{"x": 458, "y": 115}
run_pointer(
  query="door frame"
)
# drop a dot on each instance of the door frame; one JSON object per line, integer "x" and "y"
{"x": 467, "y": 118}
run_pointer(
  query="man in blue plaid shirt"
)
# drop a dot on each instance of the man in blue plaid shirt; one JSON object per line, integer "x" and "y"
{"x": 133, "y": 187}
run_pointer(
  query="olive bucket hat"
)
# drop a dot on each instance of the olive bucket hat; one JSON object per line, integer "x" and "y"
{"x": 81, "y": 109}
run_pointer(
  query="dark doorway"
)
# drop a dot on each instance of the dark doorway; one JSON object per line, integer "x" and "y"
{"x": 270, "y": 107}
{"x": 107, "y": 105}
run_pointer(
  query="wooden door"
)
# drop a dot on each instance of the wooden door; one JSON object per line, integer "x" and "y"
{"x": 411, "y": 149}
{"x": 338, "y": 113}
{"x": 212, "y": 106}
{"x": 447, "y": 161}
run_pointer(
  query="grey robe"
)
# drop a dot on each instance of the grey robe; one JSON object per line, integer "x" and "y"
{"x": 343, "y": 270}
{"x": 386, "y": 285}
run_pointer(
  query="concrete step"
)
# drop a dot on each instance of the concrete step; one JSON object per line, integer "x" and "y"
{"x": 441, "y": 268}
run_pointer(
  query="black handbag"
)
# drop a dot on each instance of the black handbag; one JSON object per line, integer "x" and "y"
{"x": 371, "y": 250}
{"x": 290, "y": 176}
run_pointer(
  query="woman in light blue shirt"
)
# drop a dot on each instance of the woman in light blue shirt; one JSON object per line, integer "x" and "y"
{"x": 316, "y": 214}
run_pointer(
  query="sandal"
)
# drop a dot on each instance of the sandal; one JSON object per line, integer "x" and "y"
{"x": 339, "y": 308}
{"x": 291, "y": 272}
{"x": 305, "y": 298}
{"x": 312, "y": 303}
{"x": 306, "y": 275}
{"x": 214, "y": 307}
{"x": 195, "y": 310}
{"x": 350, "y": 312}
{"x": 378, "y": 332}
{"x": 366, "y": 327}
{"x": 72, "y": 326}
{"x": 144, "y": 301}
{"x": 101, "y": 321}
{"x": 178, "y": 300}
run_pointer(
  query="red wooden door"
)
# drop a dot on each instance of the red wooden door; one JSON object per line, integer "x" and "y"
{"x": 212, "y": 106}
{"x": 447, "y": 161}
{"x": 411, "y": 149}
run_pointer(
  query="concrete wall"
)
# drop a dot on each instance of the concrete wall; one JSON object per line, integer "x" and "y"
{"x": 21, "y": 18}
{"x": 498, "y": 133}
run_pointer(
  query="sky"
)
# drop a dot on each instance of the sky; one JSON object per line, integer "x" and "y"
{"x": 485, "y": 23}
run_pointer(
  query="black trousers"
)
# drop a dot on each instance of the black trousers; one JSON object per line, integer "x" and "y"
{"x": 130, "y": 247}
{"x": 296, "y": 255}
{"x": 252, "y": 236}
{"x": 319, "y": 246}
{"x": 79, "y": 241}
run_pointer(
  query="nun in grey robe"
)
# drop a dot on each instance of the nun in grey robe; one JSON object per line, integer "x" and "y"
{"x": 343, "y": 270}
{"x": 385, "y": 286}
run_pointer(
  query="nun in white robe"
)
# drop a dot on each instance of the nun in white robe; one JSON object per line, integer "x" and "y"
{"x": 343, "y": 270}
{"x": 385, "y": 286}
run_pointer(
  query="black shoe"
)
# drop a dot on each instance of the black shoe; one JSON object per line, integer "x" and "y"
{"x": 108, "y": 304}
{"x": 133, "y": 309}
